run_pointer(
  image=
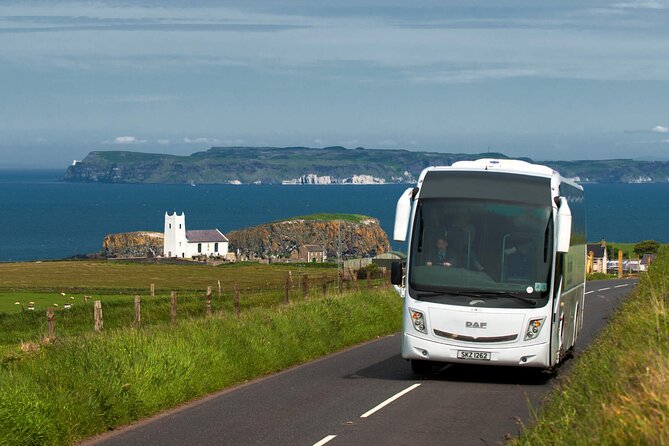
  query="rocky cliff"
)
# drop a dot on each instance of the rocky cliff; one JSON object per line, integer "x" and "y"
{"x": 361, "y": 236}
{"x": 133, "y": 244}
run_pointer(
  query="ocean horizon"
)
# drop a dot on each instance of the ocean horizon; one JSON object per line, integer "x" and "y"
{"x": 44, "y": 218}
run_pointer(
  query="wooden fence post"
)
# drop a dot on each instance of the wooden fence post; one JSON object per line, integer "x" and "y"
{"x": 173, "y": 307}
{"x": 620, "y": 263}
{"x": 324, "y": 284}
{"x": 286, "y": 290}
{"x": 235, "y": 300}
{"x": 305, "y": 287}
{"x": 208, "y": 299}
{"x": 138, "y": 312}
{"x": 97, "y": 315}
{"x": 50, "y": 316}
{"x": 153, "y": 290}
{"x": 219, "y": 291}
{"x": 354, "y": 277}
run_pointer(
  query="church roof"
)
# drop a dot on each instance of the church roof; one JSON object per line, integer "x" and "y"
{"x": 205, "y": 235}
{"x": 314, "y": 248}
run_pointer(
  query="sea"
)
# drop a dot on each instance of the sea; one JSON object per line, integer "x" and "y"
{"x": 44, "y": 218}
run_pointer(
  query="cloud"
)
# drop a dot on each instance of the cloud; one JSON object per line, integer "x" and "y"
{"x": 660, "y": 129}
{"x": 641, "y": 4}
{"x": 145, "y": 98}
{"x": 201, "y": 140}
{"x": 393, "y": 44}
{"x": 121, "y": 140}
{"x": 163, "y": 142}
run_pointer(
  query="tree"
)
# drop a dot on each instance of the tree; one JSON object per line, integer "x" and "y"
{"x": 646, "y": 247}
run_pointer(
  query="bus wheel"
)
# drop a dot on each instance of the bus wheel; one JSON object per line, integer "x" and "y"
{"x": 420, "y": 367}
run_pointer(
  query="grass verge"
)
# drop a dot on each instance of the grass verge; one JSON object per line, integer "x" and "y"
{"x": 618, "y": 391}
{"x": 63, "y": 392}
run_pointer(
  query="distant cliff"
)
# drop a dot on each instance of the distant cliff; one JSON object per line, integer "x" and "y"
{"x": 361, "y": 236}
{"x": 262, "y": 165}
{"x": 133, "y": 244}
{"x": 330, "y": 165}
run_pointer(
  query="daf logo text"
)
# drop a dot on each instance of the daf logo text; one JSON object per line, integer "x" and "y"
{"x": 476, "y": 324}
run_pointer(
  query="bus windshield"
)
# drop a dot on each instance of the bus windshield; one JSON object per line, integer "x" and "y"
{"x": 498, "y": 252}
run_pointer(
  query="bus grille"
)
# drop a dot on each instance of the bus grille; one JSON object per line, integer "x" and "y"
{"x": 458, "y": 337}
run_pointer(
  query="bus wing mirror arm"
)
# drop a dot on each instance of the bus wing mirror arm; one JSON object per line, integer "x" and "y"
{"x": 402, "y": 214}
{"x": 563, "y": 229}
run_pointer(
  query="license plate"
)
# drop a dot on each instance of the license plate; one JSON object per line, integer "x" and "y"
{"x": 480, "y": 356}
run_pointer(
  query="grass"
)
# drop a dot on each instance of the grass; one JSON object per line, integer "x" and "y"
{"x": 61, "y": 392}
{"x": 351, "y": 218}
{"x": 618, "y": 391}
{"x": 599, "y": 276}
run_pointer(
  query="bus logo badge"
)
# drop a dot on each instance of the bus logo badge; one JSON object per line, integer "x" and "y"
{"x": 476, "y": 324}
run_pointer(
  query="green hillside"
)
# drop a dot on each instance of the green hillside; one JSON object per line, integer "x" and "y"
{"x": 330, "y": 165}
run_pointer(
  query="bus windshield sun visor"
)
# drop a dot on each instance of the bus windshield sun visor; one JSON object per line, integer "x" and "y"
{"x": 491, "y": 186}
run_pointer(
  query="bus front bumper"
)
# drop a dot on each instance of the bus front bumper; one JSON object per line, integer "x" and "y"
{"x": 535, "y": 355}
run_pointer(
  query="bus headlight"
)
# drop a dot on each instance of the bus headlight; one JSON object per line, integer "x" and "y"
{"x": 418, "y": 320}
{"x": 534, "y": 328}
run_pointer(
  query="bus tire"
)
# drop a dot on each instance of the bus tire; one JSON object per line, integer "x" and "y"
{"x": 420, "y": 367}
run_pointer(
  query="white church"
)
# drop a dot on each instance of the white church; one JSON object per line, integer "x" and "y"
{"x": 188, "y": 244}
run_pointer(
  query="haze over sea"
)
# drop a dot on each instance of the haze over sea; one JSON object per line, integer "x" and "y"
{"x": 43, "y": 218}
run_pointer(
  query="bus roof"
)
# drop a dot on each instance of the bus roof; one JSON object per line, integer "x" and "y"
{"x": 505, "y": 166}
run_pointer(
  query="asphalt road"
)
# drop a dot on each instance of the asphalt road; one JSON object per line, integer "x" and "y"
{"x": 339, "y": 400}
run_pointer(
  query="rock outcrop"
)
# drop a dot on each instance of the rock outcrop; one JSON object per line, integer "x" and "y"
{"x": 360, "y": 237}
{"x": 133, "y": 244}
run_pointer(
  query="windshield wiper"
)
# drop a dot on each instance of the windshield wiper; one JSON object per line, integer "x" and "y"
{"x": 478, "y": 294}
{"x": 508, "y": 294}
{"x": 436, "y": 293}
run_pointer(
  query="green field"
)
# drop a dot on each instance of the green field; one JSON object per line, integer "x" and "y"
{"x": 43, "y": 283}
{"x": 351, "y": 218}
{"x": 618, "y": 390}
{"x": 55, "y": 284}
{"x": 106, "y": 276}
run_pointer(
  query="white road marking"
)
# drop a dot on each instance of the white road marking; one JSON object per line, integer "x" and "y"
{"x": 389, "y": 400}
{"x": 590, "y": 292}
{"x": 325, "y": 440}
{"x": 604, "y": 289}
{"x": 620, "y": 286}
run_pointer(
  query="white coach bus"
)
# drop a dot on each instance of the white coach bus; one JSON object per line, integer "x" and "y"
{"x": 495, "y": 269}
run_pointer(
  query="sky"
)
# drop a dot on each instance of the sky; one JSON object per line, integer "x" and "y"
{"x": 550, "y": 79}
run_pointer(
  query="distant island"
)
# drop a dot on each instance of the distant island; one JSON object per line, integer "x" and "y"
{"x": 329, "y": 165}
{"x": 334, "y": 235}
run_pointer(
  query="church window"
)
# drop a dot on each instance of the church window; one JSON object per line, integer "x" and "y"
{"x": 215, "y": 247}
{"x": 199, "y": 248}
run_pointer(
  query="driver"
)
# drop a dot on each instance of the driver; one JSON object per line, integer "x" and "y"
{"x": 442, "y": 256}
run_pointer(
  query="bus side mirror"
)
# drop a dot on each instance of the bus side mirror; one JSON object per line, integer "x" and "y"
{"x": 402, "y": 215}
{"x": 563, "y": 237}
{"x": 396, "y": 273}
